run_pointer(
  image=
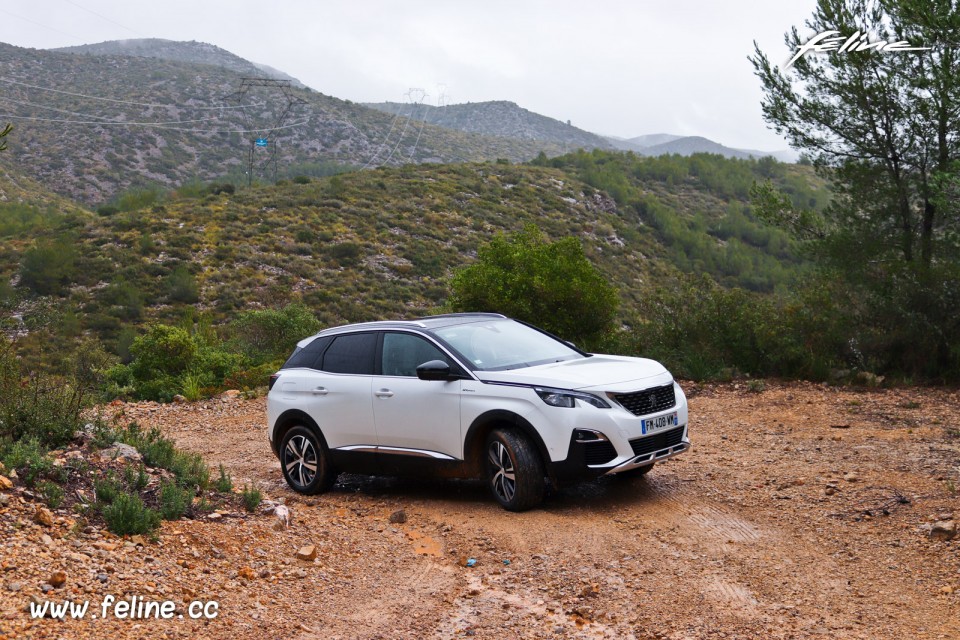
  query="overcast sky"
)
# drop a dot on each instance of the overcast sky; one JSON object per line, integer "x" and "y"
{"x": 623, "y": 68}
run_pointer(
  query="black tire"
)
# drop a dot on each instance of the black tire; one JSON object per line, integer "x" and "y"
{"x": 514, "y": 470}
{"x": 305, "y": 462}
{"x": 635, "y": 473}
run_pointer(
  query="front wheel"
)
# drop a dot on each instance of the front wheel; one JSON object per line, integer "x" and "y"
{"x": 514, "y": 470}
{"x": 305, "y": 463}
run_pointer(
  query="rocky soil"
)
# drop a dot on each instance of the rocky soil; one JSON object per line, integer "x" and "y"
{"x": 802, "y": 511}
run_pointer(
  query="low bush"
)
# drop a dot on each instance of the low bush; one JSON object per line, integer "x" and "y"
{"x": 174, "y": 501}
{"x": 252, "y": 497}
{"x": 127, "y": 515}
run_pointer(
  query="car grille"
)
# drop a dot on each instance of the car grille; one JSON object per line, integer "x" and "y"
{"x": 600, "y": 452}
{"x": 663, "y": 440}
{"x": 641, "y": 403}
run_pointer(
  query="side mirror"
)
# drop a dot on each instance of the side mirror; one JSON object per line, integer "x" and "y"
{"x": 434, "y": 370}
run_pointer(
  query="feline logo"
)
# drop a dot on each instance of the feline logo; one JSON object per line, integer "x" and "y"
{"x": 833, "y": 41}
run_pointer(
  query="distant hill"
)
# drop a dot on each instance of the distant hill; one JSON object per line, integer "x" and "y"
{"x": 656, "y": 144}
{"x": 499, "y": 118}
{"x": 174, "y": 51}
{"x": 91, "y": 125}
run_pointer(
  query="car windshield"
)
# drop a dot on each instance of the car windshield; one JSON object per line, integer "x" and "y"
{"x": 496, "y": 345}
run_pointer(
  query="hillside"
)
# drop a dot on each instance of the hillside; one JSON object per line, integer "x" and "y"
{"x": 190, "y": 52}
{"x": 383, "y": 243}
{"x": 501, "y": 119}
{"x": 91, "y": 126}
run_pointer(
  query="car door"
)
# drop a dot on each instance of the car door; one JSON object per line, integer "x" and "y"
{"x": 334, "y": 389}
{"x": 413, "y": 416}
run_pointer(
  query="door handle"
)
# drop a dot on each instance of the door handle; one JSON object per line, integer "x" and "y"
{"x": 384, "y": 393}
{"x": 320, "y": 391}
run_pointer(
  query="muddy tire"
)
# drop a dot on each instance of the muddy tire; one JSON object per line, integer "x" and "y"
{"x": 305, "y": 462}
{"x": 514, "y": 470}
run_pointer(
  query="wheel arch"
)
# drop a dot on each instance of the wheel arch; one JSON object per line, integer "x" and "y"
{"x": 484, "y": 424}
{"x": 289, "y": 419}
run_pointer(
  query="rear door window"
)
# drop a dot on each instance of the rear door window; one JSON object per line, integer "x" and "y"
{"x": 353, "y": 353}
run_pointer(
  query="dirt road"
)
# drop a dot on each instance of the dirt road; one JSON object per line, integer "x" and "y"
{"x": 802, "y": 511}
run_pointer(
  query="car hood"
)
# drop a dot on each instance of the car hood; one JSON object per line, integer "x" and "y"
{"x": 600, "y": 372}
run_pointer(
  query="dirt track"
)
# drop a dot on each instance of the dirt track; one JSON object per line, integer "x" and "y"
{"x": 801, "y": 512}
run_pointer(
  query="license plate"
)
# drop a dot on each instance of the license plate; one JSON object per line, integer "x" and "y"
{"x": 650, "y": 425}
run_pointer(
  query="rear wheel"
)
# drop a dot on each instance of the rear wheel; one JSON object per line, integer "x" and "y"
{"x": 305, "y": 463}
{"x": 514, "y": 470}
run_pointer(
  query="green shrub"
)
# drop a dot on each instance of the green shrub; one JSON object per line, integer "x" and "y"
{"x": 269, "y": 335}
{"x": 551, "y": 284}
{"x": 183, "y": 286}
{"x": 191, "y": 470}
{"x": 106, "y": 488}
{"x": 251, "y": 498}
{"x": 135, "y": 477}
{"x": 30, "y": 460}
{"x": 49, "y": 267}
{"x": 52, "y": 493}
{"x": 127, "y": 515}
{"x": 173, "y": 501}
{"x": 224, "y": 483}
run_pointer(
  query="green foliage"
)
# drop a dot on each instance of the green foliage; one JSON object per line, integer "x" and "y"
{"x": 52, "y": 493}
{"x": 224, "y": 483}
{"x": 137, "y": 198}
{"x": 135, "y": 477}
{"x": 173, "y": 501}
{"x": 127, "y": 515}
{"x": 49, "y": 266}
{"x": 551, "y": 284}
{"x": 106, "y": 488}
{"x": 183, "y": 286}
{"x": 702, "y": 331}
{"x": 29, "y": 457}
{"x": 162, "y": 351}
{"x": 252, "y": 497}
{"x": 269, "y": 335}
{"x": 3, "y": 134}
{"x": 44, "y": 408}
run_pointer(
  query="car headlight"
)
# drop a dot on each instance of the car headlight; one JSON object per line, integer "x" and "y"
{"x": 567, "y": 399}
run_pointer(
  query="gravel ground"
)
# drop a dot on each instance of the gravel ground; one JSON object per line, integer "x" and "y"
{"x": 802, "y": 511}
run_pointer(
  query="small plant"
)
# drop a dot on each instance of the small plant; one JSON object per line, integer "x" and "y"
{"x": 30, "y": 460}
{"x": 251, "y": 498}
{"x": 173, "y": 501}
{"x": 128, "y": 515}
{"x": 52, "y": 493}
{"x": 136, "y": 478}
{"x": 756, "y": 386}
{"x": 192, "y": 387}
{"x": 106, "y": 489}
{"x": 224, "y": 484}
{"x": 190, "y": 470}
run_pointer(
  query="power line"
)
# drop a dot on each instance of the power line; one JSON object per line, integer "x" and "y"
{"x": 103, "y": 119}
{"x": 136, "y": 104}
{"x": 423, "y": 123}
{"x": 384, "y": 143}
{"x": 123, "y": 26}
{"x": 152, "y": 124}
{"x": 40, "y": 24}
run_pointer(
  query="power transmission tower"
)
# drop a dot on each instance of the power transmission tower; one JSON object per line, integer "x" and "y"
{"x": 291, "y": 99}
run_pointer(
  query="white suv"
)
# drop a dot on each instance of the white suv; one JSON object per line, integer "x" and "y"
{"x": 473, "y": 395}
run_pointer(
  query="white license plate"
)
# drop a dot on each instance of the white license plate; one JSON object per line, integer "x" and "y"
{"x": 652, "y": 425}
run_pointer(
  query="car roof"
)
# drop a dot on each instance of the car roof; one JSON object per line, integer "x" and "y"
{"x": 429, "y": 322}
